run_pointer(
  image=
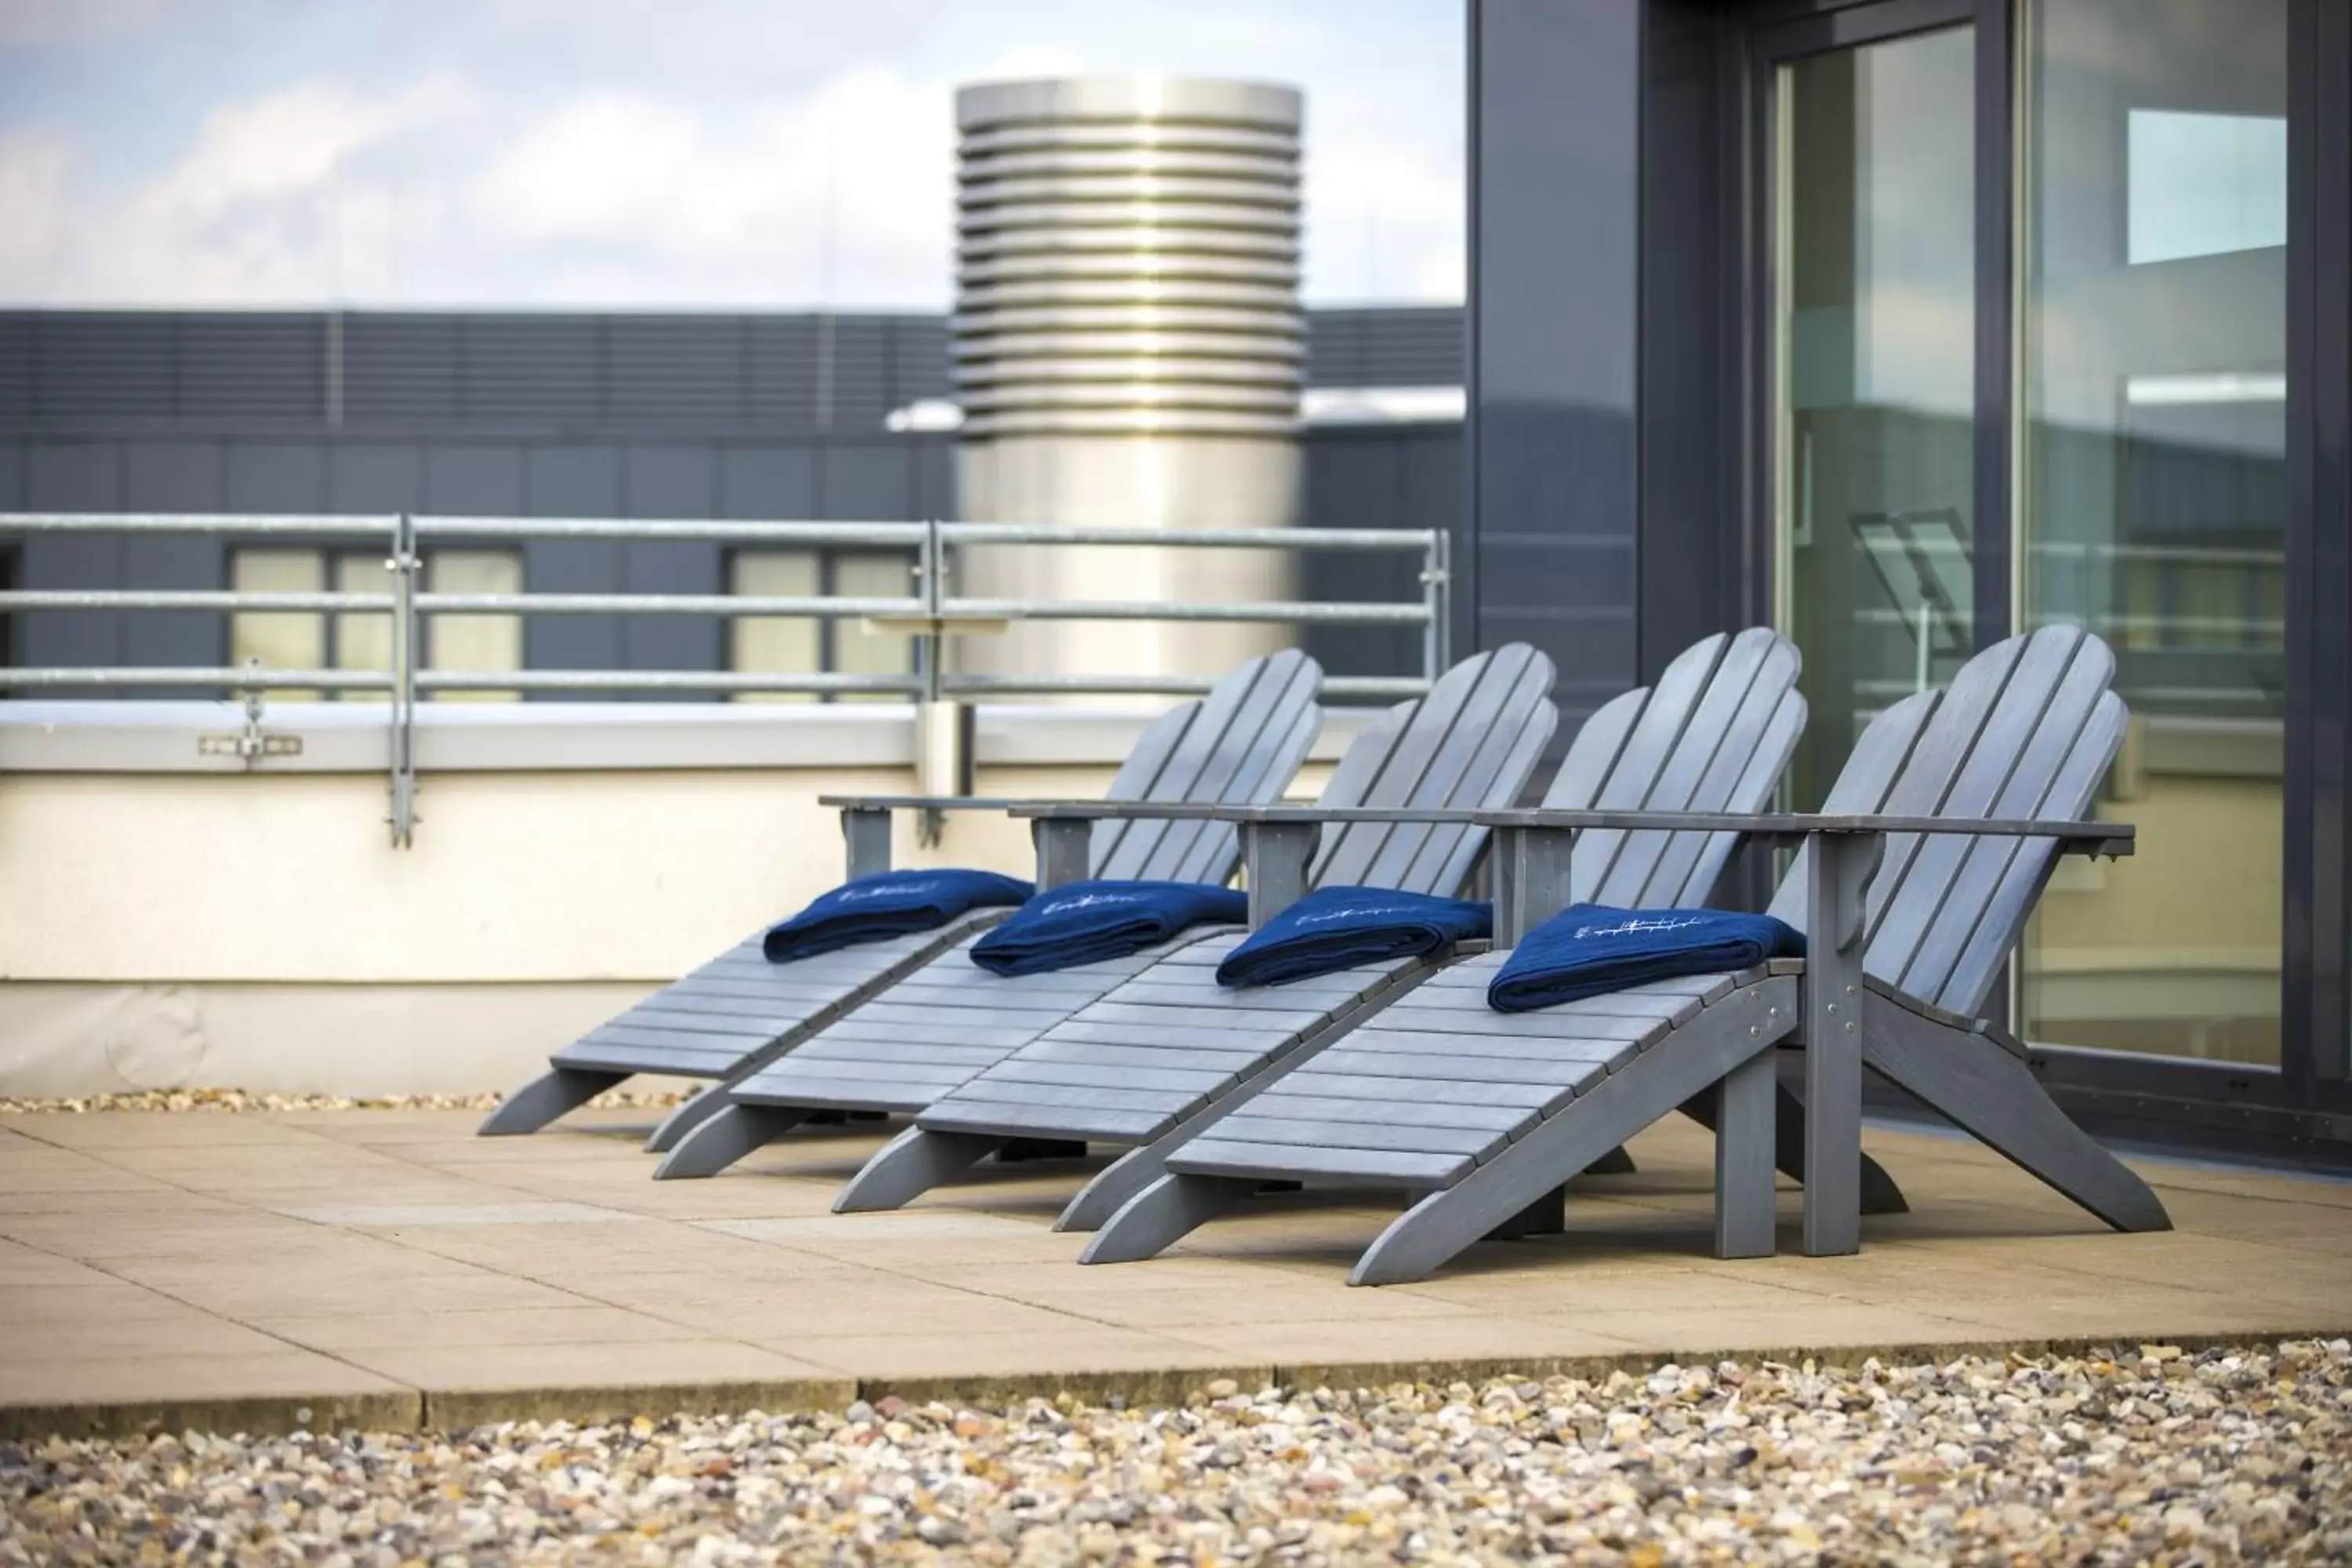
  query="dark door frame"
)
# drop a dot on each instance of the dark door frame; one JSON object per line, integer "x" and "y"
{"x": 2303, "y": 1106}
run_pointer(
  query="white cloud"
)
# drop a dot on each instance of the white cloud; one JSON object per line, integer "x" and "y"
{"x": 762, "y": 155}
{"x": 35, "y": 166}
{"x": 844, "y": 196}
{"x": 252, "y": 213}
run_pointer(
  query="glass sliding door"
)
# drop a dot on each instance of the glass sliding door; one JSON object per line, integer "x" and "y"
{"x": 2151, "y": 498}
{"x": 1874, "y": 272}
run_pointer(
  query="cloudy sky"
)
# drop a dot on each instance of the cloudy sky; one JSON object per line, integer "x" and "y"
{"x": 768, "y": 153}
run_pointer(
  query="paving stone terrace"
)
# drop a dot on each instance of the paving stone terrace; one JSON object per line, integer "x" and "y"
{"x": 273, "y": 1270}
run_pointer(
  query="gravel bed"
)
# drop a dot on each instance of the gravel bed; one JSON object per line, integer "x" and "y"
{"x": 249, "y": 1099}
{"x": 2144, "y": 1456}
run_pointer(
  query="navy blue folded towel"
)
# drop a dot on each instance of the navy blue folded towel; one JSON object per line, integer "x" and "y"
{"x": 888, "y": 904}
{"x": 1590, "y": 950}
{"x": 1081, "y": 922}
{"x": 1333, "y": 929}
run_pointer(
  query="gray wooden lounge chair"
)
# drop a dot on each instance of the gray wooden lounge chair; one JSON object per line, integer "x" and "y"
{"x": 1241, "y": 743}
{"x": 1155, "y": 1058}
{"x": 1916, "y": 882}
{"x": 1473, "y": 740}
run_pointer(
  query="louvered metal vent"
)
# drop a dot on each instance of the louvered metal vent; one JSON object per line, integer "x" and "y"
{"x": 1127, "y": 258}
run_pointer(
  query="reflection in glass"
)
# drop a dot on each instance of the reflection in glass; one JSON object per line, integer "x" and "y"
{"x": 2151, "y": 502}
{"x": 1874, "y": 269}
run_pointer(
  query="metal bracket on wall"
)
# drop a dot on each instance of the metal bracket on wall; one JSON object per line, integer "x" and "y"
{"x": 403, "y": 565}
{"x": 251, "y": 743}
{"x": 943, "y": 728}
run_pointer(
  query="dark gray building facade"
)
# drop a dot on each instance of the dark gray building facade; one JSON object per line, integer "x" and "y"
{"x": 1904, "y": 325}
{"x": 772, "y": 416}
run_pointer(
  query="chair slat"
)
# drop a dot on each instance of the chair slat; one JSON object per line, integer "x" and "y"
{"x": 1487, "y": 765}
{"x": 1909, "y": 889}
{"x": 1863, "y": 785}
{"x": 1214, "y": 855}
{"x": 1752, "y": 743}
{"x": 1646, "y": 752}
{"x": 1687, "y": 873}
{"x": 1438, "y": 742}
{"x": 1450, "y": 852}
{"x": 1229, "y": 741}
{"x": 1952, "y": 877}
{"x": 1594, "y": 751}
{"x": 2023, "y": 876}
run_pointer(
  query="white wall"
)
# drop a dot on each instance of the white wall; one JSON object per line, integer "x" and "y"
{"x": 163, "y": 926}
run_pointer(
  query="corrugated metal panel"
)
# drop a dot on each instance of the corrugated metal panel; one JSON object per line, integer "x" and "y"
{"x": 503, "y": 371}
{"x": 674, "y": 370}
{"x": 520, "y": 370}
{"x": 782, "y": 359}
{"x": 1385, "y": 347}
{"x": 15, "y": 366}
{"x": 402, "y": 370}
{"x": 918, "y": 356}
{"x": 863, "y": 372}
{"x": 264, "y": 366}
{"x": 104, "y": 366}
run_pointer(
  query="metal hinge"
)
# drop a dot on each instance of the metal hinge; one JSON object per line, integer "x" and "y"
{"x": 251, "y": 743}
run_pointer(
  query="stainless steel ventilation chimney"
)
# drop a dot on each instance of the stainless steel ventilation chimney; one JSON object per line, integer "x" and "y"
{"x": 1128, "y": 351}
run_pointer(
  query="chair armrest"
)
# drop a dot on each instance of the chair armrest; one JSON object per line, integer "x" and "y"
{"x": 927, "y": 802}
{"x": 1286, "y": 812}
{"x": 865, "y": 821}
{"x": 2073, "y": 835}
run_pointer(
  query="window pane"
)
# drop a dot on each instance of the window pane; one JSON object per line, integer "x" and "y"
{"x": 473, "y": 642}
{"x": 773, "y": 643}
{"x": 855, "y": 649}
{"x": 1874, "y": 263}
{"x": 287, "y": 639}
{"x": 2152, "y": 500}
{"x": 363, "y": 641}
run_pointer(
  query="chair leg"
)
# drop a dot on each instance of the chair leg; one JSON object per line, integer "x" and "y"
{"x": 1616, "y": 1163}
{"x": 910, "y": 1165}
{"x": 1162, "y": 1214}
{"x": 1880, "y": 1195}
{"x": 1112, "y": 1186}
{"x": 1992, "y": 1095}
{"x": 554, "y": 1093}
{"x": 1440, "y": 1226}
{"x": 689, "y": 1114}
{"x": 726, "y": 1137}
{"x": 1743, "y": 1212}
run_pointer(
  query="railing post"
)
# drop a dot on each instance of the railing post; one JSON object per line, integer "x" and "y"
{"x": 403, "y": 565}
{"x": 1437, "y": 599}
{"x": 939, "y": 760}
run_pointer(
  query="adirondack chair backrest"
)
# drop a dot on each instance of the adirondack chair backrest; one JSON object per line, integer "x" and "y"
{"x": 1471, "y": 742}
{"x": 1239, "y": 745}
{"x": 2027, "y": 729}
{"x": 1713, "y": 734}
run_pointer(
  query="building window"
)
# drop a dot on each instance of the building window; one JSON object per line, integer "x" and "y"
{"x": 362, "y": 639}
{"x": 2151, "y": 500}
{"x": 472, "y": 641}
{"x": 766, "y": 644}
{"x": 799, "y": 645}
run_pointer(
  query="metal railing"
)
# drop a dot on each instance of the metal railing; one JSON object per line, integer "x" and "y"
{"x": 929, "y": 615}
